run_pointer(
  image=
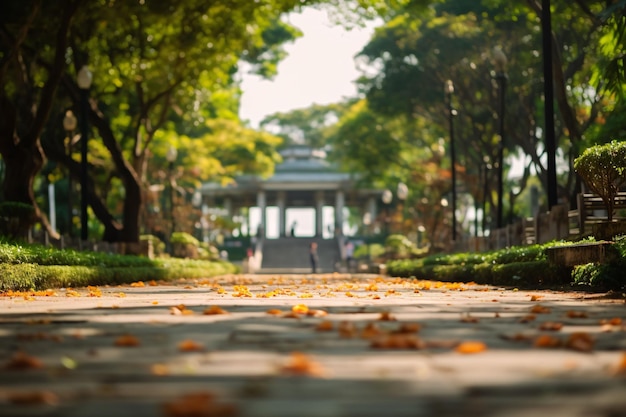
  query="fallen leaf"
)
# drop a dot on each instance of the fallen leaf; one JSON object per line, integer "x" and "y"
{"x": 536, "y": 297}
{"x": 127, "y": 340}
{"x": 517, "y": 337}
{"x": 547, "y": 341}
{"x": 582, "y": 342}
{"x": 301, "y": 365}
{"x": 527, "y": 318}
{"x": 347, "y": 329}
{"x": 137, "y": 284}
{"x": 615, "y": 321}
{"x": 539, "y": 309}
{"x": 21, "y": 360}
{"x": 370, "y": 331}
{"x": 572, "y": 314}
{"x": 551, "y": 326}
{"x": 33, "y": 398}
{"x": 274, "y": 312}
{"x": 201, "y": 404}
{"x": 300, "y": 309}
{"x": 386, "y": 316}
{"x": 214, "y": 310}
{"x": 159, "y": 369}
{"x": 470, "y": 347}
{"x": 190, "y": 346}
{"x": 324, "y": 326}
{"x": 406, "y": 328}
{"x": 398, "y": 341}
{"x": 316, "y": 313}
{"x": 620, "y": 369}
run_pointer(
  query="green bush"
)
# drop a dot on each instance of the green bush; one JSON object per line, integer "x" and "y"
{"x": 603, "y": 169}
{"x": 157, "y": 244}
{"x": 398, "y": 246}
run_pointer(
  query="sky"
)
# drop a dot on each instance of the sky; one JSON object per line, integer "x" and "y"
{"x": 320, "y": 69}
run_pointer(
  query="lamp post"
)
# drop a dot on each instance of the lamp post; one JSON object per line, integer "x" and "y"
{"x": 170, "y": 156}
{"x": 486, "y": 169}
{"x": 69, "y": 124}
{"x": 84, "y": 79}
{"x": 449, "y": 89}
{"x": 548, "y": 86}
{"x": 402, "y": 192}
{"x": 386, "y": 198}
{"x": 500, "y": 62}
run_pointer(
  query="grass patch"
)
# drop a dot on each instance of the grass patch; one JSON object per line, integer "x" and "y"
{"x": 36, "y": 267}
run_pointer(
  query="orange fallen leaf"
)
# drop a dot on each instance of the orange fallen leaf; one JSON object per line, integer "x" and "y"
{"x": 386, "y": 316}
{"x": 582, "y": 342}
{"x": 274, "y": 312}
{"x": 572, "y": 314}
{"x": 301, "y": 365}
{"x": 316, "y": 313}
{"x": 536, "y": 297}
{"x": 190, "y": 346}
{"x": 620, "y": 369}
{"x": 470, "y": 347}
{"x": 127, "y": 340}
{"x": 370, "y": 331}
{"x": 324, "y": 326}
{"x": 615, "y": 321}
{"x": 214, "y": 310}
{"x": 408, "y": 328}
{"x": 200, "y": 404}
{"x": 398, "y": 341}
{"x": 547, "y": 341}
{"x": 137, "y": 284}
{"x": 180, "y": 310}
{"x": 291, "y": 315}
{"x": 539, "y": 309}
{"x": 347, "y": 329}
{"x": 300, "y": 309}
{"x": 21, "y": 360}
{"x": 551, "y": 326}
{"x": 33, "y": 398}
{"x": 527, "y": 318}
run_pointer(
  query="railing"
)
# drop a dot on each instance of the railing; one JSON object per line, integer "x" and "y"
{"x": 557, "y": 224}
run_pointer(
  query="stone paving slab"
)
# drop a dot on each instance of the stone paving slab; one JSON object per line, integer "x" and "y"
{"x": 141, "y": 350}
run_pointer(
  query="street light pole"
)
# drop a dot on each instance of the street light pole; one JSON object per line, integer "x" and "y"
{"x": 451, "y": 114}
{"x": 69, "y": 124}
{"x": 500, "y": 63}
{"x": 171, "y": 155}
{"x": 548, "y": 86}
{"x": 84, "y": 83}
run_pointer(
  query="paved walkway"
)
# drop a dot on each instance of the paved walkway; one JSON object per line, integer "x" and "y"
{"x": 354, "y": 346}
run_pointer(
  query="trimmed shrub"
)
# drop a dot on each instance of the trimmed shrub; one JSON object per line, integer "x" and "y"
{"x": 603, "y": 169}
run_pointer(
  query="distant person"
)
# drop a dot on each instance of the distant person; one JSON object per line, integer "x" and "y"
{"x": 314, "y": 257}
{"x": 349, "y": 254}
{"x": 292, "y": 230}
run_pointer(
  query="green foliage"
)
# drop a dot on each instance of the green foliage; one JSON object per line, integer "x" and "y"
{"x": 36, "y": 267}
{"x": 158, "y": 245}
{"x": 184, "y": 238}
{"x": 371, "y": 250}
{"x": 525, "y": 266}
{"x": 398, "y": 246}
{"x": 603, "y": 169}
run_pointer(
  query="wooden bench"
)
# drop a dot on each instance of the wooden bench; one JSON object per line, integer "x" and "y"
{"x": 591, "y": 210}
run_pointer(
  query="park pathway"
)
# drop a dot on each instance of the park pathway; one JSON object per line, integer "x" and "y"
{"x": 311, "y": 346}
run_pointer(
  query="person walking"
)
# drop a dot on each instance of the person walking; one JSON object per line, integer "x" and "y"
{"x": 314, "y": 257}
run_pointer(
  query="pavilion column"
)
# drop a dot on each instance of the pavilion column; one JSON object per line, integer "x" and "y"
{"x": 262, "y": 205}
{"x": 371, "y": 208}
{"x": 281, "y": 201}
{"x": 228, "y": 206}
{"x": 339, "y": 204}
{"x": 319, "y": 210}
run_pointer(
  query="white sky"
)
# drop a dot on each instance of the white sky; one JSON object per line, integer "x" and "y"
{"x": 319, "y": 69}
